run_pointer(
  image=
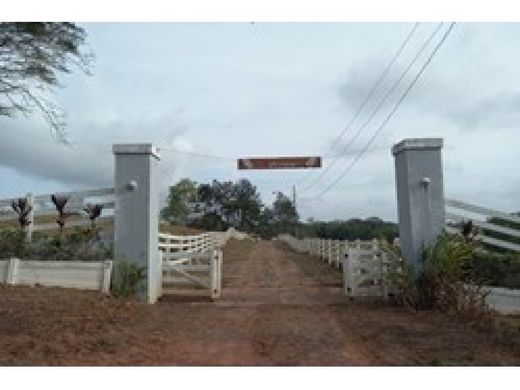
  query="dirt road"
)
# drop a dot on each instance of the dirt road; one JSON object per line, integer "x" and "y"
{"x": 278, "y": 308}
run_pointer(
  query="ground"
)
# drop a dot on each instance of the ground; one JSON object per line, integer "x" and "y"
{"x": 278, "y": 308}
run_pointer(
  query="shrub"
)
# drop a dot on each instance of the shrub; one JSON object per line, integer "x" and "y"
{"x": 496, "y": 269}
{"x": 127, "y": 279}
{"x": 13, "y": 243}
{"x": 447, "y": 281}
{"x": 77, "y": 244}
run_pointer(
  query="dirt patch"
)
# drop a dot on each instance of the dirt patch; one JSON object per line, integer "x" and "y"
{"x": 278, "y": 308}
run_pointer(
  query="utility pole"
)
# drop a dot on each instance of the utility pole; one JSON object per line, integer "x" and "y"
{"x": 294, "y": 205}
{"x": 294, "y": 196}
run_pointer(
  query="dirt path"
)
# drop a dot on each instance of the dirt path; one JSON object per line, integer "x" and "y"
{"x": 278, "y": 308}
{"x": 267, "y": 274}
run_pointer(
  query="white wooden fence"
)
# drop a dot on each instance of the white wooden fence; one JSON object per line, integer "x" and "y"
{"x": 362, "y": 261}
{"x": 458, "y": 212}
{"x": 92, "y": 275}
{"x": 192, "y": 265}
{"x": 41, "y": 205}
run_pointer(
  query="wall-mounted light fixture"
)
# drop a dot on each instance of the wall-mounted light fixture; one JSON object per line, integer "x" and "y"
{"x": 131, "y": 185}
{"x": 425, "y": 182}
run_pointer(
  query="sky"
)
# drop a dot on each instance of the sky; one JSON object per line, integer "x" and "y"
{"x": 231, "y": 90}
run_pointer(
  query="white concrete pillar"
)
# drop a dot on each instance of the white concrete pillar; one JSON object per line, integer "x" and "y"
{"x": 420, "y": 195}
{"x": 136, "y": 219}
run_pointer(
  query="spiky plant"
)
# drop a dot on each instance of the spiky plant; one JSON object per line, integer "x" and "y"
{"x": 22, "y": 209}
{"x": 60, "y": 202}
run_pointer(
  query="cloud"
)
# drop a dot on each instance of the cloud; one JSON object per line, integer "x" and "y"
{"x": 28, "y": 148}
{"x": 462, "y": 106}
{"x": 211, "y": 89}
{"x": 499, "y": 111}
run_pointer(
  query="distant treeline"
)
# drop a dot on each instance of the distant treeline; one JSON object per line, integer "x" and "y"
{"x": 219, "y": 205}
{"x": 364, "y": 229}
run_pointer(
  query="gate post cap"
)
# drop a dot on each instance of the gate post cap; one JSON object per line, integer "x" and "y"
{"x": 136, "y": 148}
{"x": 417, "y": 144}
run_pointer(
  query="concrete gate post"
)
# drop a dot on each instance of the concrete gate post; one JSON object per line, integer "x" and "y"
{"x": 136, "y": 219}
{"x": 420, "y": 195}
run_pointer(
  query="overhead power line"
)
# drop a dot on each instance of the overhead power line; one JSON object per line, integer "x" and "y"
{"x": 392, "y": 112}
{"x": 376, "y": 110}
{"x": 368, "y": 96}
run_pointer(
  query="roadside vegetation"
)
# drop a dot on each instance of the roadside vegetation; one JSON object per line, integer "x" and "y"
{"x": 454, "y": 280}
{"x": 220, "y": 205}
{"x": 76, "y": 244}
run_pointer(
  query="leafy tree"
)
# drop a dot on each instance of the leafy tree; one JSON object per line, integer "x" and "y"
{"x": 32, "y": 55}
{"x": 285, "y": 216}
{"x": 266, "y": 227}
{"x": 245, "y": 205}
{"x": 176, "y": 210}
{"x": 210, "y": 221}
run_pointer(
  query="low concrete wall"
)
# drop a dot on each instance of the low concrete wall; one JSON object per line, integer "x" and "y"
{"x": 504, "y": 300}
{"x": 72, "y": 274}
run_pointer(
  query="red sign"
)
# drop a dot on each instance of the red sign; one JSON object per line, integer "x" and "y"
{"x": 279, "y": 163}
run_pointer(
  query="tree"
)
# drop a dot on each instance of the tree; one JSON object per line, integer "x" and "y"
{"x": 245, "y": 205}
{"x": 32, "y": 55}
{"x": 176, "y": 210}
{"x": 266, "y": 228}
{"x": 284, "y": 214}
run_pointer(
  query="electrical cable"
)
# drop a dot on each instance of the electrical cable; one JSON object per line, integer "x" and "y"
{"x": 378, "y": 107}
{"x": 201, "y": 155}
{"x": 392, "y": 112}
{"x": 367, "y": 97}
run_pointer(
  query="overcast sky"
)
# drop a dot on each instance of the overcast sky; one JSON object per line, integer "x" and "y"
{"x": 267, "y": 89}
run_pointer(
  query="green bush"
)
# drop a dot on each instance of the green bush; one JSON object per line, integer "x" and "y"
{"x": 127, "y": 279}
{"x": 496, "y": 269}
{"x": 13, "y": 243}
{"x": 78, "y": 244}
{"x": 447, "y": 281}
{"x": 399, "y": 277}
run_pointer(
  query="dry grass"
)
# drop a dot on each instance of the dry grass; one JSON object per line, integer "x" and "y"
{"x": 106, "y": 225}
{"x": 179, "y": 230}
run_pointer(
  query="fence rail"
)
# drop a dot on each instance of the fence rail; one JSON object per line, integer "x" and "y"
{"x": 459, "y": 212}
{"x": 41, "y": 206}
{"x": 192, "y": 265}
{"x": 362, "y": 262}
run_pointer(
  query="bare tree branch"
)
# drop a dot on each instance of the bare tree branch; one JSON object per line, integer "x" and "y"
{"x": 32, "y": 56}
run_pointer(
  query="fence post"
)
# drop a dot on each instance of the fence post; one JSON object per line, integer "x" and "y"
{"x": 136, "y": 216}
{"x": 30, "y": 216}
{"x": 420, "y": 195}
{"x": 12, "y": 270}
{"x": 329, "y": 251}
{"x": 215, "y": 274}
{"x": 348, "y": 272}
{"x": 107, "y": 272}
